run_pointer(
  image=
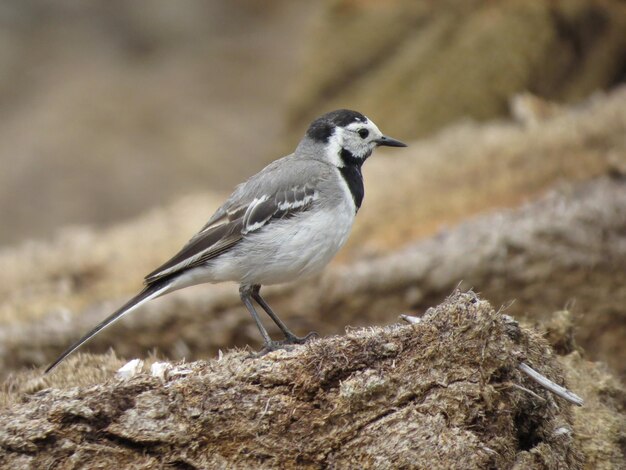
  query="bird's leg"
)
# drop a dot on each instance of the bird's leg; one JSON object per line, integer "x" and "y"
{"x": 245, "y": 292}
{"x": 290, "y": 338}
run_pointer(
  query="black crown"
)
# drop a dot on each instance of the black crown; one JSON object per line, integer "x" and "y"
{"x": 323, "y": 127}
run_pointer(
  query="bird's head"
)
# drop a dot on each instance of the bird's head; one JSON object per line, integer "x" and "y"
{"x": 348, "y": 137}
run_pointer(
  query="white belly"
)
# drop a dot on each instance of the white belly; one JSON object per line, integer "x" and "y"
{"x": 286, "y": 250}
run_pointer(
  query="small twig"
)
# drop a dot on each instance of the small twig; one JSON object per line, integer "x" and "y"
{"x": 267, "y": 407}
{"x": 551, "y": 386}
{"x": 530, "y": 392}
{"x": 411, "y": 319}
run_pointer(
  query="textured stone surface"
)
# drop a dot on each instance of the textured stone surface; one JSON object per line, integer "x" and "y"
{"x": 442, "y": 392}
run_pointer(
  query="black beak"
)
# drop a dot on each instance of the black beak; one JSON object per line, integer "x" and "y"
{"x": 385, "y": 141}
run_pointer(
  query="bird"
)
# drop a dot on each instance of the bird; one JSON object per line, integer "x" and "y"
{"x": 283, "y": 224}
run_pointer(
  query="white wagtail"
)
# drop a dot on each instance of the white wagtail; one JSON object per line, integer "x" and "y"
{"x": 284, "y": 223}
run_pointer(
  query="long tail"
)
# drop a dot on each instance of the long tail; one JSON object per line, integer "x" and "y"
{"x": 148, "y": 293}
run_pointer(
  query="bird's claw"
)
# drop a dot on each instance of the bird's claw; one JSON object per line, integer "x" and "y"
{"x": 287, "y": 344}
{"x": 293, "y": 339}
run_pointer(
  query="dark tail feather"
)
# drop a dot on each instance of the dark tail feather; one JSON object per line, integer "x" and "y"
{"x": 149, "y": 292}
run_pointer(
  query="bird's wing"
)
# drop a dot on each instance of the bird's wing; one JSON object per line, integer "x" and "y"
{"x": 234, "y": 220}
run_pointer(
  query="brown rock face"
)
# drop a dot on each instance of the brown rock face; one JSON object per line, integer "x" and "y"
{"x": 442, "y": 392}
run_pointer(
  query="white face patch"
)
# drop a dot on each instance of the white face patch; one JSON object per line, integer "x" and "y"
{"x": 358, "y": 138}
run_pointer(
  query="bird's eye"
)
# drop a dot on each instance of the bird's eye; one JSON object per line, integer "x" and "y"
{"x": 364, "y": 133}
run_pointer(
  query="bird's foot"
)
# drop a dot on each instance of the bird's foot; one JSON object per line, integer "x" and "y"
{"x": 287, "y": 344}
{"x": 293, "y": 339}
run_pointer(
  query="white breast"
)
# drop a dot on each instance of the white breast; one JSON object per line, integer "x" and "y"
{"x": 285, "y": 250}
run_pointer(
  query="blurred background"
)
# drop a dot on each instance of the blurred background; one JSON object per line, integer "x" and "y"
{"x": 109, "y": 108}
{"x": 124, "y": 124}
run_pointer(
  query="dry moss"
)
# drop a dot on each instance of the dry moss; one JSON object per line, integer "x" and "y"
{"x": 444, "y": 392}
